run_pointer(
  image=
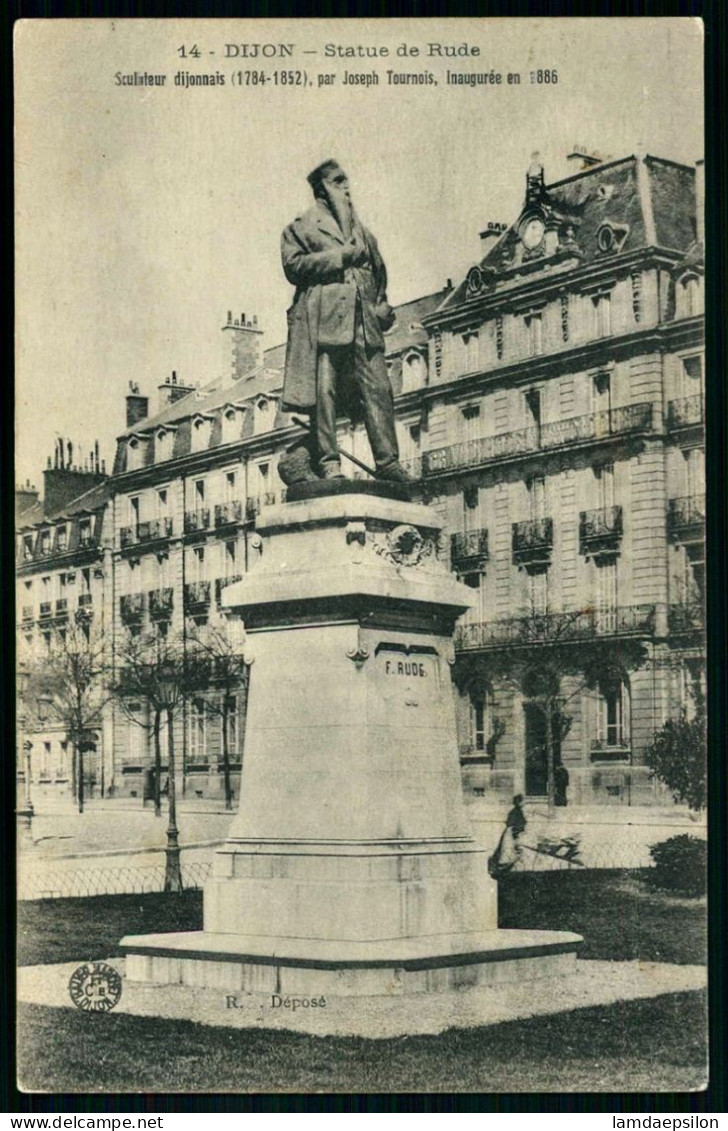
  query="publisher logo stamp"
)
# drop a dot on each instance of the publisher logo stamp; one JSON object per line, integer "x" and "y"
{"x": 95, "y": 987}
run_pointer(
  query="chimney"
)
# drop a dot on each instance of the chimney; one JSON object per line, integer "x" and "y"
{"x": 242, "y": 347}
{"x": 137, "y": 407}
{"x": 580, "y": 159}
{"x": 490, "y": 236}
{"x": 25, "y": 496}
{"x": 700, "y": 200}
{"x": 63, "y": 483}
{"x": 171, "y": 391}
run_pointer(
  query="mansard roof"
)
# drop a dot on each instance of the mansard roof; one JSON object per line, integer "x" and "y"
{"x": 648, "y": 200}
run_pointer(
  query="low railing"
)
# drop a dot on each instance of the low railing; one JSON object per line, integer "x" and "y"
{"x": 685, "y": 514}
{"x": 686, "y": 412}
{"x": 161, "y": 602}
{"x": 222, "y": 582}
{"x": 552, "y": 628}
{"x": 469, "y": 547}
{"x": 228, "y": 513}
{"x": 148, "y": 531}
{"x": 532, "y": 541}
{"x": 84, "y": 600}
{"x": 131, "y": 607}
{"x": 197, "y": 595}
{"x": 595, "y": 426}
{"x": 197, "y": 520}
{"x": 687, "y": 617}
{"x": 62, "y": 607}
{"x": 46, "y": 610}
{"x": 127, "y": 879}
{"x": 27, "y": 612}
{"x": 600, "y": 531}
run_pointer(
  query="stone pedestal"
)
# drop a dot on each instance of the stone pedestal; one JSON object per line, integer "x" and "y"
{"x": 350, "y": 866}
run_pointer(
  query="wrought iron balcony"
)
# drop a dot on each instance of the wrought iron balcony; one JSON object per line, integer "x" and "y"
{"x": 27, "y": 613}
{"x": 84, "y": 610}
{"x": 228, "y": 513}
{"x": 84, "y": 600}
{"x": 222, "y": 582}
{"x": 686, "y": 412}
{"x": 469, "y": 550}
{"x": 150, "y": 531}
{"x": 686, "y": 617}
{"x": 557, "y": 628}
{"x": 532, "y": 542}
{"x": 268, "y": 499}
{"x": 46, "y": 610}
{"x": 197, "y": 520}
{"x": 197, "y": 596}
{"x": 160, "y": 603}
{"x": 595, "y": 426}
{"x": 131, "y": 608}
{"x": 603, "y": 751}
{"x": 686, "y": 518}
{"x": 62, "y": 608}
{"x": 600, "y": 532}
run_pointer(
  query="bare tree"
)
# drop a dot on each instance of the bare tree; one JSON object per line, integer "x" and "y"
{"x": 67, "y": 685}
{"x": 156, "y": 668}
{"x": 218, "y": 669}
{"x": 550, "y": 659}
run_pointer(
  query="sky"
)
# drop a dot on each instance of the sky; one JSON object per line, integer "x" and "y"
{"x": 145, "y": 213}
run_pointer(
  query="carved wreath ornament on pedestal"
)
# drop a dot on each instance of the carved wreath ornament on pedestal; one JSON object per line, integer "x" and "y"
{"x": 404, "y": 546}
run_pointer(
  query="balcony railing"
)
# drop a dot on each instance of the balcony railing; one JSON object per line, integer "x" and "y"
{"x": 131, "y": 607}
{"x": 46, "y": 610}
{"x": 532, "y": 541}
{"x": 160, "y": 603}
{"x": 27, "y": 613}
{"x": 149, "y": 531}
{"x": 686, "y": 518}
{"x": 595, "y": 426}
{"x": 268, "y": 499}
{"x": 228, "y": 513}
{"x": 197, "y": 596}
{"x": 84, "y": 599}
{"x": 469, "y": 549}
{"x": 686, "y": 412}
{"x": 555, "y": 628}
{"x": 222, "y": 582}
{"x": 84, "y": 610}
{"x": 197, "y": 520}
{"x": 62, "y": 607}
{"x": 600, "y": 531}
{"x": 686, "y": 617}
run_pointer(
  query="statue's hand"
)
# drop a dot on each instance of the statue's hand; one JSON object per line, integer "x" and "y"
{"x": 385, "y": 316}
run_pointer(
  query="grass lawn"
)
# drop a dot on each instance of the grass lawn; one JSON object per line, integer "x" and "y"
{"x": 619, "y": 917}
{"x": 652, "y": 1045}
{"x": 655, "y": 1045}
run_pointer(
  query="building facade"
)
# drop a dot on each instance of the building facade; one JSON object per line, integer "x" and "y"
{"x": 551, "y": 404}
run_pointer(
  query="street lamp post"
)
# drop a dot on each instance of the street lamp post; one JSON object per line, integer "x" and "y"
{"x": 25, "y": 814}
{"x": 167, "y": 680}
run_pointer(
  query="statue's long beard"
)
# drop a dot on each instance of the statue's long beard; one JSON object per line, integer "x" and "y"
{"x": 342, "y": 210}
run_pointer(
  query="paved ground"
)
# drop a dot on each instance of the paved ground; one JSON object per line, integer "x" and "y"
{"x": 595, "y": 983}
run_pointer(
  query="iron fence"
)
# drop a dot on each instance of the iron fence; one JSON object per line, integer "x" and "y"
{"x": 127, "y": 879}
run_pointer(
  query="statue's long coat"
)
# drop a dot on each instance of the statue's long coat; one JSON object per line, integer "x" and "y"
{"x": 324, "y": 304}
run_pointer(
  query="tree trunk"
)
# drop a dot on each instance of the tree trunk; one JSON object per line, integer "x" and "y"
{"x": 226, "y": 753}
{"x": 549, "y": 712}
{"x": 80, "y": 779}
{"x": 173, "y": 869}
{"x": 74, "y": 772}
{"x": 157, "y": 765}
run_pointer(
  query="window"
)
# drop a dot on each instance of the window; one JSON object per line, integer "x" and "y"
{"x": 162, "y": 502}
{"x": 230, "y": 486}
{"x": 481, "y": 718}
{"x": 613, "y": 714}
{"x": 233, "y": 729}
{"x": 604, "y": 484}
{"x": 470, "y": 341}
{"x": 45, "y": 542}
{"x": 134, "y": 583}
{"x": 536, "y": 488}
{"x": 199, "y": 492}
{"x": 28, "y": 547}
{"x": 534, "y": 331}
{"x": 538, "y": 593}
{"x": 695, "y": 471}
{"x": 136, "y": 741}
{"x": 62, "y": 539}
{"x": 45, "y": 760}
{"x": 231, "y": 554}
{"x": 471, "y": 421}
{"x": 602, "y": 307}
{"x": 197, "y": 736}
{"x": 62, "y": 767}
{"x": 532, "y": 401}
{"x": 414, "y": 372}
{"x": 133, "y": 510}
{"x": 198, "y": 564}
{"x": 689, "y": 303}
{"x": 84, "y": 532}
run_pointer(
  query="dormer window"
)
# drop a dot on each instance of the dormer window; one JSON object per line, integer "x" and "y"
{"x": 164, "y": 444}
{"x": 265, "y": 415}
{"x": 136, "y": 450}
{"x": 44, "y": 544}
{"x": 28, "y": 547}
{"x": 201, "y": 428}
{"x": 62, "y": 539}
{"x": 84, "y": 532}
{"x": 232, "y": 423}
{"x": 414, "y": 371}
